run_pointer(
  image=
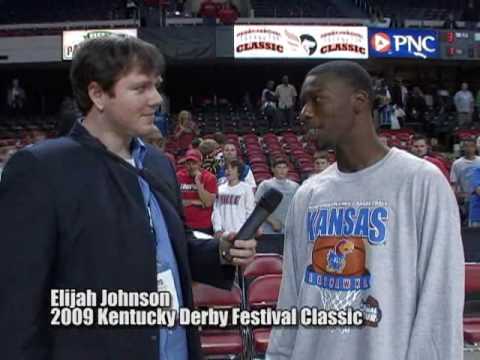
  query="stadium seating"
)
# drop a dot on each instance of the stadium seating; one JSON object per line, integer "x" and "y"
{"x": 29, "y": 11}
{"x": 471, "y": 323}
{"x": 262, "y": 293}
{"x": 219, "y": 342}
{"x": 294, "y": 8}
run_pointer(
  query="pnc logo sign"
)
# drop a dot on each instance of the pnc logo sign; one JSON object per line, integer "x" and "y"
{"x": 404, "y": 43}
{"x": 381, "y": 42}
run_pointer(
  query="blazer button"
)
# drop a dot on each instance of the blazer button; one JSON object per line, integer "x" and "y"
{"x": 153, "y": 337}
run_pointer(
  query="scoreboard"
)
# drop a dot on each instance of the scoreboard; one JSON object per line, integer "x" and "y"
{"x": 460, "y": 45}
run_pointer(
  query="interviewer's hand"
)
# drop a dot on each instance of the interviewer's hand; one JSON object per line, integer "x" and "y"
{"x": 237, "y": 252}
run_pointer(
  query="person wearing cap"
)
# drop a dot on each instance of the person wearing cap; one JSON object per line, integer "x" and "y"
{"x": 198, "y": 189}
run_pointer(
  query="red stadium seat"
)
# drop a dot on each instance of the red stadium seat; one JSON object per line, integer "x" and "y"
{"x": 259, "y": 167}
{"x": 471, "y": 320}
{"x": 259, "y": 177}
{"x": 260, "y": 159}
{"x": 262, "y": 293}
{"x": 215, "y": 342}
{"x": 260, "y": 339}
{"x": 225, "y": 342}
{"x": 208, "y": 296}
{"x": 294, "y": 177}
{"x": 263, "y": 265}
{"x": 472, "y": 278}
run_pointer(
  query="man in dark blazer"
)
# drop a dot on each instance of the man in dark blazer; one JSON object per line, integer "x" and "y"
{"x": 99, "y": 209}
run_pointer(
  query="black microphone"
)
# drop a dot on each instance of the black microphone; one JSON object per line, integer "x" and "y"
{"x": 266, "y": 205}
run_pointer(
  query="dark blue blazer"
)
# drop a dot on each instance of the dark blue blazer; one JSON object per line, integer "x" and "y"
{"x": 73, "y": 217}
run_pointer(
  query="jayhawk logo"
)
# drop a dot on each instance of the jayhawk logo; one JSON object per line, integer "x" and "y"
{"x": 336, "y": 257}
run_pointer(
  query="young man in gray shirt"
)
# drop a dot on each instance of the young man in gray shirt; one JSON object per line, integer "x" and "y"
{"x": 273, "y": 228}
{"x": 378, "y": 231}
{"x": 462, "y": 172}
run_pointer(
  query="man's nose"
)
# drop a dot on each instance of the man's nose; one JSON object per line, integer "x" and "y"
{"x": 306, "y": 112}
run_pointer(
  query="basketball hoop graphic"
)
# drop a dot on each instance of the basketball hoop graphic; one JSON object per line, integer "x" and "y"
{"x": 338, "y": 270}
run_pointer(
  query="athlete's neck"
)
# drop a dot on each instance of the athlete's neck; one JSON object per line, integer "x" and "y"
{"x": 359, "y": 152}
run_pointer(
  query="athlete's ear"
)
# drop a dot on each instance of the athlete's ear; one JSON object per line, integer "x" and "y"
{"x": 360, "y": 100}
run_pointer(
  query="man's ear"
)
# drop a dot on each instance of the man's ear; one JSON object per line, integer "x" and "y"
{"x": 97, "y": 95}
{"x": 360, "y": 101}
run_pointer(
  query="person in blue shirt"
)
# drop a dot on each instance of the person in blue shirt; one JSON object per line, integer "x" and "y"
{"x": 474, "y": 211}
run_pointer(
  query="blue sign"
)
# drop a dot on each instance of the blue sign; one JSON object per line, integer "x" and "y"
{"x": 404, "y": 43}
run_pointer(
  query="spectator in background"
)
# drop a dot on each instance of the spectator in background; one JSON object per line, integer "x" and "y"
{"x": 383, "y": 104}
{"x": 220, "y": 139}
{"x": 269, "y": 104}
{"x": 399, "y": 93}
{"x": 461, "y": 173}
{"x": 420, "y": 149}
{"x": 235, "y": 202}
{"x": 474, "y": 208}
{"x": 198, "y": 188}
{"x": 286, "y": 95}
{"x": 68, "y": 114}
{"x": 464, "y": 103}
{"x": 195, "y": 144}
{"x": 208, "y": 11}
{"x": 156, "y": 139}
{"x": 16, "y": 98}
{"x": 186, "y": 130}
{"x": 320, "y": 163}
{"x": 162, "y": 114}
{"x": 228, "y": 13}
{"x": 132, "y": 9}
{"x": 209, "y": 149}
{"x": 274, "y": 227}
{"x": 470, "y": 15}
{"x": 450, "y": 22}
{"x": 416, "y": 105}
{"x": 180, "y": 6}
{"x": 230, "y": 153}
{"x": 477, "y": 105}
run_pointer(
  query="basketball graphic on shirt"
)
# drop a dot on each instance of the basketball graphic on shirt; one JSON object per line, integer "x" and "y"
{"x": 339, "y": 255}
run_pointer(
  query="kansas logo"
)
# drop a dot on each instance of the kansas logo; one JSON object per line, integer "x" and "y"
{"x": 367, "y": 222}
{"x": 336, "y": 257}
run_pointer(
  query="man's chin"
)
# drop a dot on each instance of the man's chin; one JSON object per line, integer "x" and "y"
{"x": 146, "y": 130}
{"x": 319, "y": 138}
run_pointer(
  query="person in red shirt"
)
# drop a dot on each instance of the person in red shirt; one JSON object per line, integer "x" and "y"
{"x": 420, "y": 149}
{"x": 228, "y": 13}
{"x": 208, "y": 10}
{"x": 199, "y": 189}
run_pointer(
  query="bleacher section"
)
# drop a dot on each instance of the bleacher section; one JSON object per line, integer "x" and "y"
{"x": 294, "y": 8}
{"x": 31, "y": 11}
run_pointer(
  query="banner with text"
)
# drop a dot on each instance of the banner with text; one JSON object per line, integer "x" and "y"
{"x": 316, "y": 42}
{"x": 72, "y": 39}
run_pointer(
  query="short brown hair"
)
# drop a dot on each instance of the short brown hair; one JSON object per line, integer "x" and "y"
{"x": 105, "y": 60}
{"x": 235, "y": 163}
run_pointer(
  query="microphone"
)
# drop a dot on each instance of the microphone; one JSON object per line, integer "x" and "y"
{"x": 266, "y": 205}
